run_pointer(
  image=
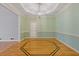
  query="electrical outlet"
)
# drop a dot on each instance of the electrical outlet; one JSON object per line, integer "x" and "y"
{"x": 0, "y": 39}
{"x": 12, "y": 38}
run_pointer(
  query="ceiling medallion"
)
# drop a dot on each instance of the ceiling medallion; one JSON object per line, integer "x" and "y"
{"x": 39, "y": 8}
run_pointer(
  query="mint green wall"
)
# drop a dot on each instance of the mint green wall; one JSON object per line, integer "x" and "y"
{"x": 24, "y": 24}
{"x": 68, "y": 22}
{"x": 47, "y": 25}
{"x": 24, "y": 21}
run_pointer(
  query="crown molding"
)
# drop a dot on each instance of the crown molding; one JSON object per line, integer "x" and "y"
{"x": 11, "y": 7}
{"x": 63, "y": 9}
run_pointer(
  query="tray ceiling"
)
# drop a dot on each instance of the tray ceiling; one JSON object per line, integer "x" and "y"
{"x": 36, "y": 8}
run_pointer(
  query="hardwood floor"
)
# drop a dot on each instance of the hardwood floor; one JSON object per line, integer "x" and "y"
{"x": 39, "y": 47}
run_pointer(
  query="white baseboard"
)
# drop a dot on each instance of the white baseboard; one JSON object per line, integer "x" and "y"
{"x": 68, "y": 45}
{"x": 8, "y": 40}
{"x": 40, "y": 37}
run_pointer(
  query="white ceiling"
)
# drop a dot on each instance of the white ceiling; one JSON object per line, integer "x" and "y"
{"x": 36, "y": 8}
{"x": 39, "y": 8}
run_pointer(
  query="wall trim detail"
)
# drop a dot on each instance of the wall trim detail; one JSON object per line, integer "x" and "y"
{"x": 39, "y": 37}
{"x": 77, "y": 36}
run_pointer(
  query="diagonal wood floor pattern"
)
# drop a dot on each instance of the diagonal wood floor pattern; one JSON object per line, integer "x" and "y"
{"x": 39, "y": 46}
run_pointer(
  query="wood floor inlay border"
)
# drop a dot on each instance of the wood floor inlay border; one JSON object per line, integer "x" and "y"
{"x": 25, "y": 51}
